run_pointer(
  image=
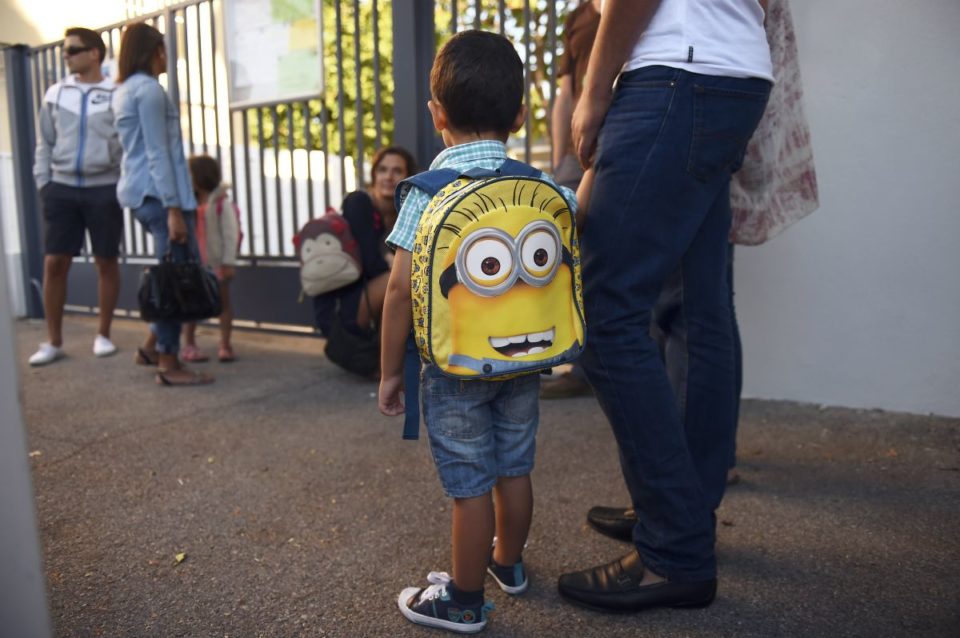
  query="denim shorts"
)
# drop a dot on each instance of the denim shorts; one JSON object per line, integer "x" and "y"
{"x": 480, "y": 430}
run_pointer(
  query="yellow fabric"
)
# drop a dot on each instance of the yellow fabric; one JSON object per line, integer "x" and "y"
{"x": 466, "y": 324}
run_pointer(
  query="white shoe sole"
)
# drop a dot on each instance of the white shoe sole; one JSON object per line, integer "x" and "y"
{"x": 45, "y": 360}
{"x": 430, "y": 621}
{"x": 106, "y": 353}
{"x": 513, "y": 591}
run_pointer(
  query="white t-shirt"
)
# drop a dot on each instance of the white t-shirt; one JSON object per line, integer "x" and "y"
{"x": 713, "y": 37}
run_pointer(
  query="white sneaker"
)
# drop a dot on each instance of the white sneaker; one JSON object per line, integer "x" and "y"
{"x": 46, "y": 353}
{"x": 103, "y": 347}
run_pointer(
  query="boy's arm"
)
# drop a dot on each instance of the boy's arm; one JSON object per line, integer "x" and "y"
{"x": 397, "y": 322}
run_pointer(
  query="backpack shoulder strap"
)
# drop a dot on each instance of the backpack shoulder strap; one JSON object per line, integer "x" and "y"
{"x": 430, "y": 182}
{"x": 411, "y": 390}
{"x": 509, "y": 168}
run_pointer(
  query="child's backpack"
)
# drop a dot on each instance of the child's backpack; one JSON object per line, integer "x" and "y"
{"x": 495, "y": 273}
{"x": 236, "y": 212}
{"x": 329, "y": 255}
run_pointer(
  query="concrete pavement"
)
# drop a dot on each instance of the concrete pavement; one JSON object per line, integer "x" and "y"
{"x": 301, "y": 512}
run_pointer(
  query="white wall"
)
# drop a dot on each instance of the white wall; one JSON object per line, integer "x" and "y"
{"x": 859, "y": 305}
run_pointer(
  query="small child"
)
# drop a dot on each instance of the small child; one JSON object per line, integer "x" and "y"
{"x": 482, "y": 432}
{"x": 218, "y": 235}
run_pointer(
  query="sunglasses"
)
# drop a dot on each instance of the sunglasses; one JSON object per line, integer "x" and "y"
{"x": 68, "y": 51}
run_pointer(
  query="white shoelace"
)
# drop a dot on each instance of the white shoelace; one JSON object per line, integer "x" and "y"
{"x": 439, "y": 581}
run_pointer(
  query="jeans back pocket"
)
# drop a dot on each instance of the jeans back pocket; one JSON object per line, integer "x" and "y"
{"x": 723, "y": 121}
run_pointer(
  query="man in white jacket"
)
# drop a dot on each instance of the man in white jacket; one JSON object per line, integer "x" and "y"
{"x": 77, "y": 167}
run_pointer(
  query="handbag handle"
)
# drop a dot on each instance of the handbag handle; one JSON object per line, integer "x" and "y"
{"x": 168, "y": 254}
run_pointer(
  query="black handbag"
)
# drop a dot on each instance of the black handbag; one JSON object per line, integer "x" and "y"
{"x": 354, "y": 351}
{"x": 178, "y": 291}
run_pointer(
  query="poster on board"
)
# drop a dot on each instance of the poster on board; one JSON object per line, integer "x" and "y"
{"x": 273, "y": 49}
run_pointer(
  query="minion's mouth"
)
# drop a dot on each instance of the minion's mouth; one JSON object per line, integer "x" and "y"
{"x": 522, "y": 345}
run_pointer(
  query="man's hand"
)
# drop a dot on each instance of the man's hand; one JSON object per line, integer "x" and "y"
{"x": 176, "y": 226}
{"x": 225, "y": 273}
{"x": 391, "y": 395}
{"x": 587, "y": 118}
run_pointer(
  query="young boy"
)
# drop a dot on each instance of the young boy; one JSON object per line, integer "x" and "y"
{"x": 482, "y": 433}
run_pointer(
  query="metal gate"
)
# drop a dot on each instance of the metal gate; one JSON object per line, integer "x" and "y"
{"x": 289, "y": 159}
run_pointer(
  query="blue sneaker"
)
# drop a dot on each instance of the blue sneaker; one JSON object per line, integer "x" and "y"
{"x": 511, "y": 579}
{"x": 434, "y": 607}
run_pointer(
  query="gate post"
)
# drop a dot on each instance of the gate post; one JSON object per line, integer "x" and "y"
{"x": 23, "y": 143}
{"x": 413, "y": 50}
{"x": 170, "y": 44}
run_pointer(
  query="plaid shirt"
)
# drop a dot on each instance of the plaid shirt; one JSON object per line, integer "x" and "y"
{"x": 489, "y": 154}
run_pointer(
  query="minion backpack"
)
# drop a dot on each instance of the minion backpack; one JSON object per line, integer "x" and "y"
{"x": 495, "y": 273}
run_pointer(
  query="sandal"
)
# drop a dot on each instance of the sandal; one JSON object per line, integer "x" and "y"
{"x": 195, "y": 378}
{"x": 226, "y": 354}
{"x": 193, "y": 354}
{"x": 142, "y": 358}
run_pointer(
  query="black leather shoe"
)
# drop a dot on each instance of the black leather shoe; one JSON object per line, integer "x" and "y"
{"x": 615, "y": 522}
{"x": 615, "y": 587}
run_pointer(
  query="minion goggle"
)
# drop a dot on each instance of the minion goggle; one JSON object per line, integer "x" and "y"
{"x": 490, "y": 261}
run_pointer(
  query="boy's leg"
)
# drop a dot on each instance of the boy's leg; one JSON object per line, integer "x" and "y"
{"x": 473, "y": 523}
{"x": 226, "y": 316}
{"x": 190, "y": 333}
{"x": 63, "y": 238}
{"x": 103, "y": 217}
{"x": 55, "y": 270}
{"x": 108, "y": 291}
{"x": 514, "y": 510}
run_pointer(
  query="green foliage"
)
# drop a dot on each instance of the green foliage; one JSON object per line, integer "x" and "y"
{"x": 374, "y": 87}
{"x": 341, "y": 123}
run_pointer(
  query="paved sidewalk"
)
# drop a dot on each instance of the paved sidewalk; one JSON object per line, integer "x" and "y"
{"x": 301, "y": 512}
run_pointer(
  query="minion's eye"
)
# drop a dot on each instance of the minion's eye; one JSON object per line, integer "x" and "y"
{"x": 489, "y": 261}
{"x": 490, "y": 266}
{"x": 539, "y": 253}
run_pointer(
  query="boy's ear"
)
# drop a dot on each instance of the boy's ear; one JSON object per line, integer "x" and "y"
{"x": 520, "y": 119}
{"x": 438, "y": 115}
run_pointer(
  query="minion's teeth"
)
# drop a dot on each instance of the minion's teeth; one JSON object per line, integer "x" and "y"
{"x": 517, "y": 339}
{"x": 535, "y": 350}
{"x": 499, "y": 342}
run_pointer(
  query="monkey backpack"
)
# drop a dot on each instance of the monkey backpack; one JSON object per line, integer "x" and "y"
{"x": 495, "y": 273}
{"x": 329, "y": 255}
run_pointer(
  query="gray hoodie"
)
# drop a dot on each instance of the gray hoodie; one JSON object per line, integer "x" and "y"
{"x": 78, "y": 144}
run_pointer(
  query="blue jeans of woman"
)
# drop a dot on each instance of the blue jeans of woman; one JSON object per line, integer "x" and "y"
{"x": 670, "y": 332}
{"x": 661, "y": 201}
{"x": 153, "y": 216}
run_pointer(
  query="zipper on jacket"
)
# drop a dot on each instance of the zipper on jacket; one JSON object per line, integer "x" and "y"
{"x": 83, "y": 136}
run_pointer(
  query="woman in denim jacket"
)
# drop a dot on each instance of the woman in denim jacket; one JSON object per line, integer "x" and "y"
{"x": 154, "y": 180}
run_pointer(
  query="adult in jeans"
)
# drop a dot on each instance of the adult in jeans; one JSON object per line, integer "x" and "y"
{"x": 579, "y": 32}
{"x": 692, "y": 80}
{"x": 155, "y": 183}
{"x": 775, "y": 188}
{"x": 76, "y": 169}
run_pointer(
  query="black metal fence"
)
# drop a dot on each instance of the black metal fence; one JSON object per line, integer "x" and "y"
{"x": 290, "y": 160}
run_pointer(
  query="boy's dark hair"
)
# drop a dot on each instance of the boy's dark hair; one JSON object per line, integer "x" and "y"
{"x": 89, "y": 38}
{"x": 478, "y": 79}
{"x": 205, "y": 172}
{"x": 403, "y": 153}
{"x": 138, "y": 46}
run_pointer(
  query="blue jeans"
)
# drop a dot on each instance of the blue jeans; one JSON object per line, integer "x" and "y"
{"x": 480, "y": 430}
{"x": 661, "y": 201}
{"x": 153, "y": 216}
{"x": 670, "y": 333}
